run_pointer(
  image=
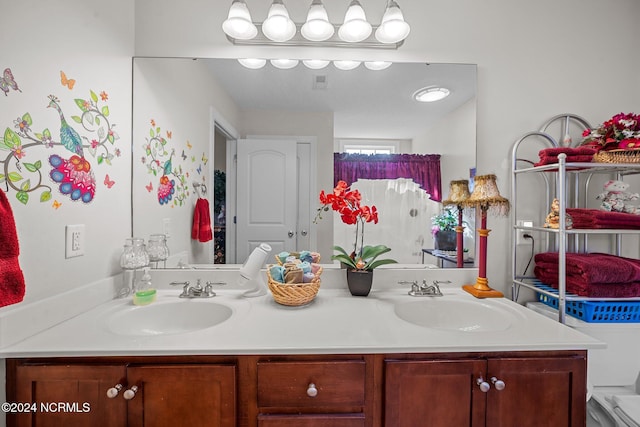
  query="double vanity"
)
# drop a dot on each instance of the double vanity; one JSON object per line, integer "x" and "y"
{"x": 387, "y": 359}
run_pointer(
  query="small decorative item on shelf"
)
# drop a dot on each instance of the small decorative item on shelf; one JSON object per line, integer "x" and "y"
{"x": 294, "y": 283}
{"x": 615, "y": 197}
{"x": 158, "y": 249}
{"x": 617, "y": 139}
{"x": 308, "y": 256}
{"x": 458, "y": 194}
{"x": 486, "y": 197}
{"x": 361, "y": 262}
{"x": 134, "y": 257}
{"x": 553, "y": 219}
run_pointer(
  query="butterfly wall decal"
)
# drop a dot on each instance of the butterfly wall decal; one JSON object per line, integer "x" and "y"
{"x": 204, "y": 159}
{"x": 184, "y": 156}
{"x": 8, "y": 82}
{"x": 149, "y": 187}
{"x": 65, "y": 81}
{"x": 56, "y": 204}
{"x": 189, "y": 145}
{"x": 108, "y": 182}
{"x": 169, "y": 134}
{"x": 199, "y": 169}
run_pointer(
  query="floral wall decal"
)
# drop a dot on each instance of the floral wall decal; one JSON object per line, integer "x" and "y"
{"x": 90, "y": 132}
{"x": 172, "y": 189}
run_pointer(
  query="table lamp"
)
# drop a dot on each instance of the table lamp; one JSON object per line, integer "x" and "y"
{"x": 458, "y": 194}
{"x": 486, "y": 197}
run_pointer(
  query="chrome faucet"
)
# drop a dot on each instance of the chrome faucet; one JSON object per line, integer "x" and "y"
{"x": 424, "y": 290}
{"x": 197, "y": 291}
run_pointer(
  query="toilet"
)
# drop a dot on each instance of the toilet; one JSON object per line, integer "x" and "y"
{"x": 613, "y": 373}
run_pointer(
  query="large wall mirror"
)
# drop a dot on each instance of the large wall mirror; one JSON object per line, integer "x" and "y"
{"x": 195, "y": 121}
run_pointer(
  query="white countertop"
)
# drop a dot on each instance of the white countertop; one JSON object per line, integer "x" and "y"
{"x": 334, "y": 323}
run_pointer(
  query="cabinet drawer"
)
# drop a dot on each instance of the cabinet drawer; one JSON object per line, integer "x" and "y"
{"x": 291, "y": 384}
{"x": 347, "y": 420}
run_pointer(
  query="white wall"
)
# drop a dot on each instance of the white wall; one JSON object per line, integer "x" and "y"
{"x": 92, "y": 42}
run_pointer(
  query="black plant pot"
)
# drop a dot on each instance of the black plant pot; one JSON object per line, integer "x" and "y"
{"x": 445, "y": 240}
{"x": 359, "y": 282}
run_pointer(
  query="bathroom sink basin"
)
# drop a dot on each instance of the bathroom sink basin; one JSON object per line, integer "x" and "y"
{"x": 168, "y": 318}
{"x": 457, "y": 314}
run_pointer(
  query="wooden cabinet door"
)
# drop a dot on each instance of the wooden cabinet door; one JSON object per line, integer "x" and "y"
{"x": 434, "y": 394}
{"x": 334, "y": 420}
{"x": 183, "y": 395}
{"x": 538, "y": 392}
{"x": 69, "y": 396}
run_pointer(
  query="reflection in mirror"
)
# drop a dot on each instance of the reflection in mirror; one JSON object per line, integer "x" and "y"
{"x": 191, "y": 117}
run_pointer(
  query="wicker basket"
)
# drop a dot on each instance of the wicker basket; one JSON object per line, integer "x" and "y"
{"x": 281, "y": 263}
{"x": 294, "y": 294}
{"x": 617, "y": 156}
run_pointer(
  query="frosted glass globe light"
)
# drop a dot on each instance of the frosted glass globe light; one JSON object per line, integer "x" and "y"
{"x": 393, "y": 27}
{"x": 238, "y": 23}
{"x": 252, "y": 63}
{"x": 377, "y": 65}
{"x": 317, "y": 28}
{"x": 355, "y": 27}
{"x": 315, "y": 64}
{"x": 284, "y": 64}
{"x": 278, "y": 27}
{"x": 346, "y": 65}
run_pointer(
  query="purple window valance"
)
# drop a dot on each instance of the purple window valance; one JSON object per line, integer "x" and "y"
{"x": 424, "y": 169}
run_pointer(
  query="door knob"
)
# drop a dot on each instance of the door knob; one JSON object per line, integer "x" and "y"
{"x": 131, "y": 393}
{"x": 312, "y": 391}
{"x": 498, "y": 384}
{"x": 113, "y": 391}
{"x": 304, "y": 232}
{"x": 291, "y": 233}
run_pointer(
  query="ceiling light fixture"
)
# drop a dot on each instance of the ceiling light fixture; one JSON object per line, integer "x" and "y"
{"x": 431, "y": 94}
{"x": 317, "y": 28}
{"x": 279, "y": 29}
{"x": 284, "y": 64}
{"x": 278, "y": 26}
{"x": 238, "y": 23}
{"x": 393, "y": 27}
{"x": 377, "y": 65}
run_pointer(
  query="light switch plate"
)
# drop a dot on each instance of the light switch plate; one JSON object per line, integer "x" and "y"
{"x": 74, "y": 241}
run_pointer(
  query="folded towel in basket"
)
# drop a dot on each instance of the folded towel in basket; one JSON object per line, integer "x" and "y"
{"x": 577, "y": 286}
{"x": 593, "y": 267}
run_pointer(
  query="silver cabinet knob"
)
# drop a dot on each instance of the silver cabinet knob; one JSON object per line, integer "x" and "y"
{"x": 312, "y": 391}
{"x": 304, "y": 232}
{"x": 131, "y": 393}
{"x": 484, "y": 386}
{"x": 113, "y": 391}
{"x": 291, "y": 233}
{"x": 498, "y": 384}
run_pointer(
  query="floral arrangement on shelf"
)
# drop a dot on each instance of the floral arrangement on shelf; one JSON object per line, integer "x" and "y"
{"x": 445, "y": 221}
{"x": 620, "y": 132}
{"x": 347, "y": 203}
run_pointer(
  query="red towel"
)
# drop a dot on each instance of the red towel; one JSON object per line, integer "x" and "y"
{"x": 597, "y": 218}
{"x": 201, "y": 228}
{"x": 593, "y": 267}
{"x": 574, "y": 155}
{"x": 11, "y": 277}
{"x": 577, "y": 286}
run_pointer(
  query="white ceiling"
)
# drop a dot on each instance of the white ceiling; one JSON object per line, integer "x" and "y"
{"x": 366, "y": 103}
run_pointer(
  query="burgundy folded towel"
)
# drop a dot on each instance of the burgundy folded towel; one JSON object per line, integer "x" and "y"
{"x": 574, "y": 155}
{"x": 11, "y": 277}
{"x": 595, "y": 267}
{"x": 201, "y": 227}
{"x": 597, "y": 218}
{"x": 577, "y": 286}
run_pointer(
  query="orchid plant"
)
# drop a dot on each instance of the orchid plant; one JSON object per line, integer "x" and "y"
{"x": 347, "y": 203}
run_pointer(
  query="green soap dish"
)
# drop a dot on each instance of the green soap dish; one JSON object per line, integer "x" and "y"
{"x": 144, "y": 297}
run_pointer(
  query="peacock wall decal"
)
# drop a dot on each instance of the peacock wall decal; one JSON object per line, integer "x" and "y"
{"x": 89, "y": 139}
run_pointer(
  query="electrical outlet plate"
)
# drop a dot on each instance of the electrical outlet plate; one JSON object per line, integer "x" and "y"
{"x": 520, "y": 240}
{"x": 74, "y": 240}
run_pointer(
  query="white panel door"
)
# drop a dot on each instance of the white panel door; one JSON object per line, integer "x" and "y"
{"x": 267, "y": 193}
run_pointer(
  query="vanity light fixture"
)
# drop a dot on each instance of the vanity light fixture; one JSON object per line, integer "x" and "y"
{"x": 238, "y": 23}
{"x": 317, "y": 28}
{"x": 393, "y": 27}
{"x": 278, "y": 26}
{"x": 431, "y": 94}
{"x": 252, "y": 63}
{"x": 315, "y": 64}
{"x": 355, "y": 27}
{"x": 284, "y": 64}
{"x": 279, "y": 29}
{"x": 377, "y": 65}
{"x": 346, "y": 65}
